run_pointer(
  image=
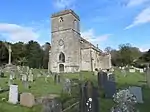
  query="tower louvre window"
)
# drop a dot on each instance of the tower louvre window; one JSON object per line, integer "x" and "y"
{"x": 75, "y": 25}
{"x": 61, "y": 19}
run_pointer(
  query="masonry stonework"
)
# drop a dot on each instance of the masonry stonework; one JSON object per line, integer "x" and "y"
{"x": 69, "y": 51}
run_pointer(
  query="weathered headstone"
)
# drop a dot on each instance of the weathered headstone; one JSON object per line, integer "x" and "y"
{"x": 111, "y": 77}
{"x": 58, "y": 78}
{"x": 141, "y": 71}
{"x": 110, "y": 86}
{"x": 13, "y": 94}
{"x": 55, "y": 78}
{"x": 27, "y": 99}
{"x": 51, "y": 105}
{"x": 67, "y": 86}
{"x": 1, "y": 74}
{"x": 102, "y": 78}
{"x": 132, "y": 70}
{"x": 137, "y": 91}
{"x": 96, "y": 72}
{"x": 89, "y": 98}
{"x": 30, "y": 77}
{"x": 124, "y": 73}
{"x": 25, "y": 80}
{"x": 110, "y": 89}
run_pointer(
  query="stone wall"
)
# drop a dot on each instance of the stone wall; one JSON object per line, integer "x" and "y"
{"x": 86, "y": 60}
{"x": 64, "y": 31}
{"x": 79, "y": 53}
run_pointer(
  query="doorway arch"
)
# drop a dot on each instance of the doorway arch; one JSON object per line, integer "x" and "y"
{"x": 61, "y": 67}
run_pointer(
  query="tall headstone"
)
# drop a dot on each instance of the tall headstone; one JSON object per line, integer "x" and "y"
{"x": 1, "y": 74}
{"x": 102, "y": 79}
{"x": 13, "y": 94}
{"x": 25, "y": 80}
{"x": 89, "y": 98}
{"x": 110, "y": 86}
{"x": 55, "y": 78}
{"x": 30, "y": 76}
{"x": 67, "y": 86}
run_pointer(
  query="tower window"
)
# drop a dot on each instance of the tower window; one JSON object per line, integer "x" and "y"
{"x": 61, "y": 19}
{"x": 75, "y": 25}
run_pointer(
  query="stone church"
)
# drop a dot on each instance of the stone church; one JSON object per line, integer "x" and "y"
{"x": 69, "y": 51}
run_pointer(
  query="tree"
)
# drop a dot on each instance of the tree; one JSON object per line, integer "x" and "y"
{"x": 46, "y": 49}
{"x": 126, "y": 55}
{"x": 34, "y": 54}
{"x": 108, "y": 49}
{"x": 3, "y": 53}
{"x": 19, "y": 52}
{"x": 145, "y": 57}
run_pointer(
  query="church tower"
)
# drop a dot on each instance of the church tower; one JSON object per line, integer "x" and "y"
{"x": 65, "y": 42}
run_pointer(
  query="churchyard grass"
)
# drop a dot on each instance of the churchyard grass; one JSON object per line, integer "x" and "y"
{"x": 40, "y": 88}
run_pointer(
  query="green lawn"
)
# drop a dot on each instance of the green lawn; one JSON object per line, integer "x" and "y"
{"x": 41, "y": 88}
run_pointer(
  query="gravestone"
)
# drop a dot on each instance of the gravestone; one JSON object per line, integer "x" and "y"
{"x": 137, "y": 91}
{"x": 88, "y": 98}
{"x": 13, "y": 94}
{"x": 111, "y": 77}
{"x": 102, "y": 79}
{"x": 58, "y": 78}
{"x": 2, "y": 74}
{"x": 55, "y": 78}
{"x": 30, "y": 77}
{"x": 141, "y": 71}
{"x": 51, "y": 105}
{"x": 132, "y": 70}
{"x": 38, "y": 75}
{"x": 25, "y": 80}
{"x": 11, "y": 76}
{"x": 124, "y": 73}
{"x": 96, "y": 72}
{"x": 110, "y": 89}
{"x": 10, "y": 82}
{"x": 110, "y": 86}
{"x": 27, "y": 100}
{"x": 67, "y": 86}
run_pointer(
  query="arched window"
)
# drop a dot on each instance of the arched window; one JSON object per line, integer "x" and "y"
{"x": 61, "y": 19}
{"x": 76, "y": 25}
{"x": 62, "y": 58}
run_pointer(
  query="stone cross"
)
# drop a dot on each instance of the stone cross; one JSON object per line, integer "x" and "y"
{"x": 9, "y": 50}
